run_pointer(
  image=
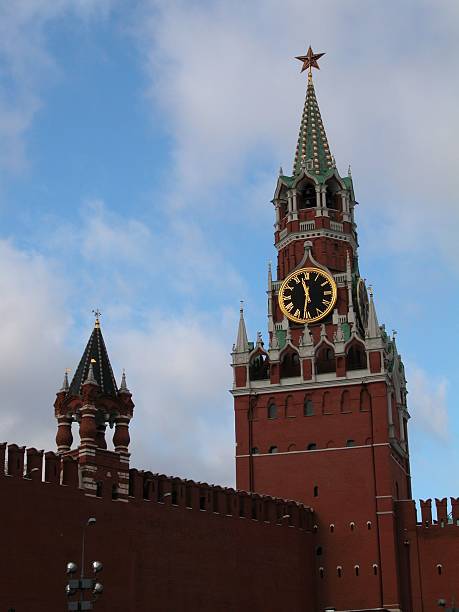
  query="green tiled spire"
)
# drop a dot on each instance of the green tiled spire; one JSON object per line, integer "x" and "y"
{"x": 312, "y": 151}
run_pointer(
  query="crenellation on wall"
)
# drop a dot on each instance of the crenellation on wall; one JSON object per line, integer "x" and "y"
{"x": 145, "y": 486}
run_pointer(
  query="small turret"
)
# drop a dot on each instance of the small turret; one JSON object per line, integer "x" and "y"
{"x": 373, "y": 330}
{"x": 242, "y": 343}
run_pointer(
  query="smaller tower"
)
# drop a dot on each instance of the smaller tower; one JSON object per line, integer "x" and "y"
{"x": 94, "y": 401}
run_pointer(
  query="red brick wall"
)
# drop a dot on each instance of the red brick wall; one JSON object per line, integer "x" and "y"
{"x": 156, "y": 556}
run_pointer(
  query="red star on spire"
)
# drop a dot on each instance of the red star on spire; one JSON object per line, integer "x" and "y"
{"x": 310, "y": 60}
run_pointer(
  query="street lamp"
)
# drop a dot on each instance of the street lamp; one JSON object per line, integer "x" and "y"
{"x": 83, "y": 584}
{"x": 442, "y": 603}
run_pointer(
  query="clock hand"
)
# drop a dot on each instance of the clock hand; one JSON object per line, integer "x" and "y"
{"x": 307, "y": 299}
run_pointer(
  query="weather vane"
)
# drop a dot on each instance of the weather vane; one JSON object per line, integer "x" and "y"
{"x": 309, "y": 61}
{"x": 97, "y": 314}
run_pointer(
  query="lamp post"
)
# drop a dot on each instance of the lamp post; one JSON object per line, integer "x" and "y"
{"x": 442, "y": 603}
{"x": 83, "y": 584}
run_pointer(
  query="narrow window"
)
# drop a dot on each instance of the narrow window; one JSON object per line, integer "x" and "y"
{"x": 316, "y": 491}
{"x": 356, "y": 569}
{"x": 202, "y": 501}
{"x": 318, "y": 551}
{"x": 375, "y": 569}
{"x": 315, "y": 528}
{"x": 114, "y": 492}
{"x": 332, "y": 528}
{"x": 439, "y": 569}
{"x": 312, "y": 446}
{"x": 241, "y": 507}
{"x": 308, "y": 407}
{"x": 350, "y": 443}
{"x": 146, "y": 489}
{"x": 352, "y": 525}
{"x": 273, "y": 450}
{"x": 368, "y": 525}
{"x": 321, "y": 572}
{"x": 255, "y": 450}
{"x": 339, "y": 571}
{"x": 98, "y": 489}
{"x": 254, "y": 509}
{"x": 188, "y": 497}
{"x": 174, "y": 496}
{"x": 272, "y": 411}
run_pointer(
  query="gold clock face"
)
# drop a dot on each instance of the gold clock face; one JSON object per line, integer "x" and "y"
{"x": 307, "y": 295}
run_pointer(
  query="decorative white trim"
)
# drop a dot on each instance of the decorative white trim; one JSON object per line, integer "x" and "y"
{"x": 317, "y": 233}
{"x": 261, "y": 387}
{"x": 299, "y": 452}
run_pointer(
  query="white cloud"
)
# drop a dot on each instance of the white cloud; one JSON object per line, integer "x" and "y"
{"x": 428, "y": 403}
{"x": 107, "y": 236}
{"x": 387, "y": 91}
{"x": 178, "y": 371}
{"x": 33, "y": 327}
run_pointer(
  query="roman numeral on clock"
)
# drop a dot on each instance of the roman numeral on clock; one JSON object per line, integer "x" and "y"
{"x": 289, "y": 307}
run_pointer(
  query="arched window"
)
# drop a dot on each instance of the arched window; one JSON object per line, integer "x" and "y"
{"x": 368, "y": 525}
{"x": 283, "y": 209}
{"x": 439, "y": 569}
{"x": 365, "y": 401}
{"x": 345, "y": 402}
{"x": 290, "y": 365}
{"x": 273, "y": 450}
{"x": 98, "y": 489}
{"x": 114, "y": 491}
{"x": 350, "y": 442}
{"x": 321, "y": 572}
{"x": 289, "y": 407}
{"x": 325, "y": 360}
{"x": 316, "y": 491}
{"x": 332, "y": 528}
{"x": 308, "y": 409}
{"x": 255, "y": 450}
{"x": 332, "y": 197}
{"x": 339, "y": 571}
{"x": 306, "y": 196}
{"x": 319, "y": 551}
{"x": 375, "y": 569}
{"x": 312, "y": 446}
{"x": 356, "y": 570}
{"x": 272, "y": 411}
{"x": 291, "y": 448}
{"x": 356, "y": 357}
{"x": 352, "y": 525}
{"x": 259, "y": 367}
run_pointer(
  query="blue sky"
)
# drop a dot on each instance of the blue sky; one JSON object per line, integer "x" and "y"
{"x": 139, "y": 150}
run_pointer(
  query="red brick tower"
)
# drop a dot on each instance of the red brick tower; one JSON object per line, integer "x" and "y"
{"x": 321, "y": 413}
{"x": 93, "y": 400}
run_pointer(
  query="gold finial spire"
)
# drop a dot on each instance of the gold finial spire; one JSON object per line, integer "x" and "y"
{"x": 309, "y": 61}
{"x": 97, "y": 314}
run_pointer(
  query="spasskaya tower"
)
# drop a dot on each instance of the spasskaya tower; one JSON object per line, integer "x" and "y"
{"x": 320, "y": 407}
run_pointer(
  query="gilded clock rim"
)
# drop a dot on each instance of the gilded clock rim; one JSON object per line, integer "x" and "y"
{"x": 329, "y": 308}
